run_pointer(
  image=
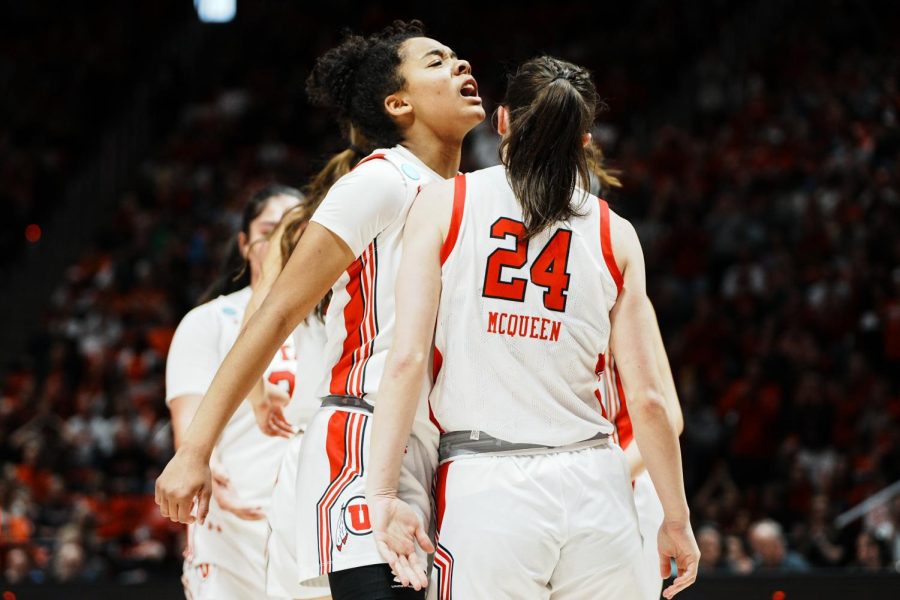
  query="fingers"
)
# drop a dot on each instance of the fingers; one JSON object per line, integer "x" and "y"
{"x": 665, "y": 566}
{"x": 281, "y": 424}
{"x": 410, "y": 576}
{"x": 684, "y": 580}
{"x": 203, "y": 504}
{"x": 423, "y": 540}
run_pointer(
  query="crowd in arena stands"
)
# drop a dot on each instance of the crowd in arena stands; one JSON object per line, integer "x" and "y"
{"x": 771, "y": 227}
{"x": 66, "y": 69}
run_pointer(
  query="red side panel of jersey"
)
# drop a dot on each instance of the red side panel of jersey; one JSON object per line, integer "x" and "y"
{"x": 348, "y": 376}
{"x": 623, "y": 419}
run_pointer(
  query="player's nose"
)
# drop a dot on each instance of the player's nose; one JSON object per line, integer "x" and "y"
{"x": 463, "y": 67}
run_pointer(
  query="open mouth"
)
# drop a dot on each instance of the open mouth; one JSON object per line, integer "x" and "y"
{"x": 469, "y": 89}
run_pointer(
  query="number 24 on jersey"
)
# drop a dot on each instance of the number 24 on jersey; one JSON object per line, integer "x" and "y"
{"x": 548, "y": 271}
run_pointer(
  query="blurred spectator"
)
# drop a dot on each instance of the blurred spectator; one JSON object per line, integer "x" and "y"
{"x": 870, "y": 553}
{"x": 770, "y": 550}
{"x": 765, "y": 194}
{"x": 709, "y": 541}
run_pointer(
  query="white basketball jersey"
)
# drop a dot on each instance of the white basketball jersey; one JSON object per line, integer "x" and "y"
{"x": 367, "y": 208}
{"x": 202, "y": 340}
{"x": 522, "y": 326}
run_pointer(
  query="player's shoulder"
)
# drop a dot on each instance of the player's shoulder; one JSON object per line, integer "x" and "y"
{"x": 225, "y": 308}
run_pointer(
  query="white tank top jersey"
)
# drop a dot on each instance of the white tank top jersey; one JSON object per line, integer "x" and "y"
{"x": 522, "y": 328}
{"x": 199, "y": 346}
{"x": 367, "y": 209}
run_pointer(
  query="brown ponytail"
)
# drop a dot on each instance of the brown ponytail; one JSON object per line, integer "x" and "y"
{"x": 552, "y": 104}
{"x": 295, "y": 220}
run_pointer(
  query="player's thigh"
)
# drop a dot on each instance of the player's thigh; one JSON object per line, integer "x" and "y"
{"x": 497, "y": 531}
{"x": 603, "y": 555}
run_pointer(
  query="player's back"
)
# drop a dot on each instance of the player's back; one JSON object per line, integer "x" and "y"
{"x": 522, "y": 325}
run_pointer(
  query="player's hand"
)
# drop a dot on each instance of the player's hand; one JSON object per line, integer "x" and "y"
{"x": 228, "y": 498}
{"x": 269, "y": 412}
{"x": 185, "y": 478}
{"x": 397, "y": 530}
{"x": 676, "y": 540}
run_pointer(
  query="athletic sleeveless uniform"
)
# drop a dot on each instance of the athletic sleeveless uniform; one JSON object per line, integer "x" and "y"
{"x": 226, "y": 555}
{"x": 367, "y": 209}
{"x": 281, "y": 549}
{"x": 532, "y": 500}
{"x": 646, "y": 501}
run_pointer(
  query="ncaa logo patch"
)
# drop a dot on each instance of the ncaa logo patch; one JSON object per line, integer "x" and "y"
{"x": 410, "y": 171}
{"x": 355, "y": 515}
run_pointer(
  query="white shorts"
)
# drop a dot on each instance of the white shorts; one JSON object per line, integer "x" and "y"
{"x": 650, "y": 518}
{"x": 556, "y": 525}
{"x": 207, "y": 581}
{"x": 282, "y": 576}
{"x": 333, "y": 529}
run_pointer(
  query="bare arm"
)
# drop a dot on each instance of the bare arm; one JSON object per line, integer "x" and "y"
{"x": 182, "y": 410}
{"x": 418, "y": 295}
{"x": 315, "y": 265}
{"x": 636, "y": 357}
{"x": 313, "y": 268}
{"x": 670, "y": 393}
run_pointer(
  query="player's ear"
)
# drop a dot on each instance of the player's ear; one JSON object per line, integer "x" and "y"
{"x": 586, "y": 139}
{"x": 397, "y": 105}
{"x": 502, "y": 120}
{"x": 243, "y": 244}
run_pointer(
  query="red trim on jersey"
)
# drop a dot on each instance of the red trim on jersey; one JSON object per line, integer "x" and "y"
{"x": 440, "y": 493}
{"x": 623, "y": 419}
{"x": 344, "y": 440}
{"x": 348, "y": 375}
{"x": 459, "y": 202}
{"x": 606, "y": 244}
{"x": 600, "y": 401}
{"x": 368, "y": 158}
{"x": 443, "y": 564}
{"x": 443, "y": 560}
{"x": 353, "y": 316}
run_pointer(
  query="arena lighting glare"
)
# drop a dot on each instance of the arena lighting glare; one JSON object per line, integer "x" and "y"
{"x": 216, "y": 11}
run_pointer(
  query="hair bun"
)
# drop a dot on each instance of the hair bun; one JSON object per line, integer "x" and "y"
{"x": 332, "y": 81}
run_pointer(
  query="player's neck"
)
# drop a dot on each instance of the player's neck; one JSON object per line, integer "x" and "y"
{"x": 439, "y": 155}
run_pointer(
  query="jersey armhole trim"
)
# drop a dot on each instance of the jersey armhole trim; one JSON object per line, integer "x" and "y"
{"x": 459, "y": 201}
{"x": 606, "y": 245}
{"x": 368, "y": 158}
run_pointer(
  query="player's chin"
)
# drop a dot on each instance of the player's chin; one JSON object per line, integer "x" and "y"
{"x": 472, "y": 113}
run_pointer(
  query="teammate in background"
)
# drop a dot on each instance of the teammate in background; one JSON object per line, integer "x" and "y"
{"x": 615, "y": 409}
{"x": 309, "y": 338}
{"x": 411, "y": 96}
{"x": 523, "y": 281}
{"x": 225, "y": 556}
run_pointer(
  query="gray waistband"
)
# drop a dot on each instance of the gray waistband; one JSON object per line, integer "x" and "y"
{"x": 348, "y": 402}
{"x": 455, "y": 444}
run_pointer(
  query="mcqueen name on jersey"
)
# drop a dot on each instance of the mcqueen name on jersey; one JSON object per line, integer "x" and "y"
{"x": 526, "y": 326}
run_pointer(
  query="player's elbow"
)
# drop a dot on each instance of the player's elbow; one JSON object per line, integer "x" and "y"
{"x": 678, "y": 421}
{"x": 406, "y": 363}
{"x": 648, "y": 404}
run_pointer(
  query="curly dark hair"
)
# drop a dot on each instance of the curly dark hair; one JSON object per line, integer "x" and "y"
{"x": 355, "y": 77}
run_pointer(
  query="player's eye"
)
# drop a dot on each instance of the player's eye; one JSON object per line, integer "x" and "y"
{"x": 436, "y": 63}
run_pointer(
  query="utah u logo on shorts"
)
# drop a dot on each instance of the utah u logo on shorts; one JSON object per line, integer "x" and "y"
{"x": 354, "y": 520}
